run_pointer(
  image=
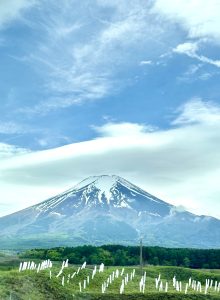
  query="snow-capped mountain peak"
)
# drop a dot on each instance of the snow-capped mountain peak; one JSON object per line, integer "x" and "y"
{"x": 108, "y": 192}
{"x": 108, "y": 209}
{"x": 104, "y": 183}
{"x": 101, "y": 179}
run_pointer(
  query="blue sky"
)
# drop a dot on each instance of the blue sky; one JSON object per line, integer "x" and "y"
{"x": 72, "y": 72}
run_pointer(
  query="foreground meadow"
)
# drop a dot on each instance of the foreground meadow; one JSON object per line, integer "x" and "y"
{"x": 61, "y": 280}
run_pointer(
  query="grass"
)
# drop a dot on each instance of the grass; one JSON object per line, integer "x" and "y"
{"x": 29, "y": 285}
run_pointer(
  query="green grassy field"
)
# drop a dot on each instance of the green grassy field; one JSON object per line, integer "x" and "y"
{"x": 32, "y": 285}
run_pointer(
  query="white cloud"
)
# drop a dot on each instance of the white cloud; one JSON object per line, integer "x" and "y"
{"x": 207, "y": 60}
{"x": 9, "y": 151}
{"x": 12, "y": 9}
{"x": 52, "y": 139}
{"x": 200, "y": 18}
{"x": 198, "y": 111}
{"x": 187, "y": 48}
{"x": 180, "y": 165}
{"x": 123, "y": 129}
{"x": 178, "y": 208}
{"x": 191, "y": 49}
{"x": 146, "y": 62}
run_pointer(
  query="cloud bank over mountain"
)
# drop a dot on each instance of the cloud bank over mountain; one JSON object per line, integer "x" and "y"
{"x": 180, "y": 165}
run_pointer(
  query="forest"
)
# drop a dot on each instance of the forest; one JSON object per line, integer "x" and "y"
{"x": 117, "y": 255}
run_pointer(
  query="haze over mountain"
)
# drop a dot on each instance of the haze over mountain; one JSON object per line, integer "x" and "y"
{"x": 107, "y": 209}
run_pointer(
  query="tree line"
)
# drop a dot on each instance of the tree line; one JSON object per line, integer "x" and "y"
{"x": 117, "y": 255}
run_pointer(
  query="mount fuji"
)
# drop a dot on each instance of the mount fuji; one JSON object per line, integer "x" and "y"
{"x": 107, "y": 209}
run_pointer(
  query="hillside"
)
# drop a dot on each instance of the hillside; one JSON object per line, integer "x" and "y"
{"x": 29, "y": 284}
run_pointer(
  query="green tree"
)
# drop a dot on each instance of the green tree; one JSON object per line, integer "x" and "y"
{"x": 186, "y": 262}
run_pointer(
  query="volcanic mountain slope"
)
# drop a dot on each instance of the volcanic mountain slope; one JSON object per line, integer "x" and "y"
{"x": 107, "y": 209}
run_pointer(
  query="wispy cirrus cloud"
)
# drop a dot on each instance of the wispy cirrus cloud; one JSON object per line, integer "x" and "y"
{"x": 196, "y": 72}
{"x": 200, "y": 21}
{"x": 82, "y": 53}
{"x": 190, "y": 49}
{"x": 13, "y": 128}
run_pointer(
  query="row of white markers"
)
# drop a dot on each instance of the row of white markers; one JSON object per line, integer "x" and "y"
{"x": 30, "y": 265}
{"x": 194, "y": 285}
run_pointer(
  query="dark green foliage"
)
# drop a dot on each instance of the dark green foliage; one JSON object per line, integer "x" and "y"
{"x": 116, "y": 255}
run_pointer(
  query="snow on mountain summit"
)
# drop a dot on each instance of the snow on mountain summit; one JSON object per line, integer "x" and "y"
{"x": 104, "y": 183}
{"x": 105, "y": 192}
{"x": 106, "y": 187}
